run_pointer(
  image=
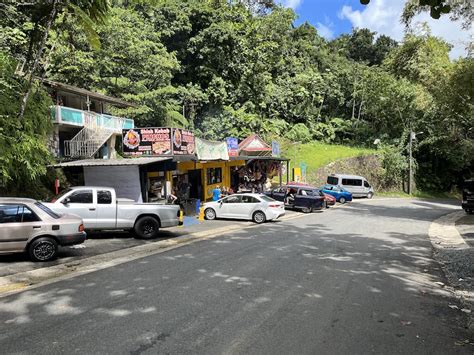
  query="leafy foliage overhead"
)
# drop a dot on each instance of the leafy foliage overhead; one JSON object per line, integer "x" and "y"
{"x": 232, "y": 68}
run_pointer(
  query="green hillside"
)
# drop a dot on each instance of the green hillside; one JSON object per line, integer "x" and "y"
{"x": 317, "y": 154}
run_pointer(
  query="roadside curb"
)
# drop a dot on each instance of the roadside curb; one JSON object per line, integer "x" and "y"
{"x": 444, "y": 234}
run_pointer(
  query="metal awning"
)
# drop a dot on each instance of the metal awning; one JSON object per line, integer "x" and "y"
{"x": 111, "y": 162}
{"x": 257, "y": 157}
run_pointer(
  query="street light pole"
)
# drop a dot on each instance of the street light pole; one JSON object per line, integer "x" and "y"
{"x": 410, "y": 162}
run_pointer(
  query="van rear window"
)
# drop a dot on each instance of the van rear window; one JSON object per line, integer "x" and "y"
{"x": 333, "y": 180}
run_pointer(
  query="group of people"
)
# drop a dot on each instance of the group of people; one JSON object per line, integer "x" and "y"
{"x": 220, "y": 192}
{"x": 254, "y": 177}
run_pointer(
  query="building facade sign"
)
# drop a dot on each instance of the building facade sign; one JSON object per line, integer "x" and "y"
{"x": 275, "y": 149}
{"x": 232, "y": 146}
{"x": 159, "y": 141}
{"x": 183, "y": 142}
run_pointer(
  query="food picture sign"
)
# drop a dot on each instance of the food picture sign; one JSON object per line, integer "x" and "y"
{"x": 183, "y": 142}
{"x": 146, "y": 141}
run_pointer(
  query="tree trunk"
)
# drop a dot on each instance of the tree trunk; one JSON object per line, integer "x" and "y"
{"x": 321, "y": 107}
{"x": 32, "y": 70}
{"x": 360, "y": 110}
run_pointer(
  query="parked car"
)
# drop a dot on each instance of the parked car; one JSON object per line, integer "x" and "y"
{"x": 330, "y": 200}
{"x": 358, "y": 186}
{"x": 28, "y": 225}
{"x": 341, "y": 194}
{"x": 255, "y": 207}
{"x": 302, "y": 197}
{"x": 102, "y": 210}
{"x": 468, "y": 196}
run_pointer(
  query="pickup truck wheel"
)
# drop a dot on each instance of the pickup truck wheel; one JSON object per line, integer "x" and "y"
{"x": 43, "y": 249}
{"x": 146, "y": 227}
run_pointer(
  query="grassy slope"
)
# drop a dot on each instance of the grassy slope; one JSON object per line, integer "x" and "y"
{"x": 318, "y": 154}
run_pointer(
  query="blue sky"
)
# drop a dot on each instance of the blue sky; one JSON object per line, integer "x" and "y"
{"x": 324, "y": 15}
{"x": 333, "y": 17}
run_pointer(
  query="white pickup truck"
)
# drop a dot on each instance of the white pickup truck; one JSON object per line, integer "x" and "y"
{"x": 100, "y": 209}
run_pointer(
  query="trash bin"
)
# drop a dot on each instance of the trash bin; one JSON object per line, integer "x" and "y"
{"x": 189, "y": 207}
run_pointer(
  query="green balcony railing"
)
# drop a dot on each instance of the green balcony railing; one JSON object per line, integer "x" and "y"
{"x": 75, "y": 117}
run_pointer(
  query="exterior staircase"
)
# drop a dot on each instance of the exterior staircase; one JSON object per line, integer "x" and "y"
{"x": 96, "y": 131}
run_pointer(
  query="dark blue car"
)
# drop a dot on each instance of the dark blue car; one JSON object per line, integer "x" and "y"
{"x": 341, "y": 194}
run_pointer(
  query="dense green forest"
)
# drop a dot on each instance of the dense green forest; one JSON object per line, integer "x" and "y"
{"x": 230, "y": 68}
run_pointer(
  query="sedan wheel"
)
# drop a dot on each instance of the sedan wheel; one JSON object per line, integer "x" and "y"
{"x": 307, "y": 210}
{"x": 210, "y": 214}
{"x": 342, "y": 200}
{"x": 259, "y": 217}
{"x": 43, "y": 249}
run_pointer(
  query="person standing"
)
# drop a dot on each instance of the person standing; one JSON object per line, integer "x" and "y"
{"x": 216, "y": 194}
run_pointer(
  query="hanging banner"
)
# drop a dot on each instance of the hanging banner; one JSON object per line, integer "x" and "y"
{"x": 207, "y": 150}
{"x": 232, "y": 146}
{"x": 183, "y": 142}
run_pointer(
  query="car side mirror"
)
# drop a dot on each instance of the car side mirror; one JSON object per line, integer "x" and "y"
{"x": 220, "y": 202}
{"x": 66, "y": 201}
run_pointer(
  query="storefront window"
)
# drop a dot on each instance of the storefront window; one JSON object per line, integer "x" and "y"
{"x": 214, "y": 176}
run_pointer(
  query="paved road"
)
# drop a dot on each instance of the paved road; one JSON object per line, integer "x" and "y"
{"x": 358, "y": 279}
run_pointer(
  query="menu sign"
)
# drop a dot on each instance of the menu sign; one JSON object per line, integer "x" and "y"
{"x": 183, "y": 142}
{"x": 157, "y": 141}
{"x": 146, "y": 141}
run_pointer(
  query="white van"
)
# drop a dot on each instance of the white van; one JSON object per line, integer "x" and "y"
{"x": 357, "y": 185}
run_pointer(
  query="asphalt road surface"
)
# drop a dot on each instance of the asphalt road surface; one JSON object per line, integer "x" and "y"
{"x": 358, "y": 279}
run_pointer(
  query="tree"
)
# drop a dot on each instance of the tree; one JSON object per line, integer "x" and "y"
{"x": 24, "y": 154}
{"x": 42, "y": 15}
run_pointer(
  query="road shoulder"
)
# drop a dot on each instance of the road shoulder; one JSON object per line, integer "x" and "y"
{"x": 456, "y": 255}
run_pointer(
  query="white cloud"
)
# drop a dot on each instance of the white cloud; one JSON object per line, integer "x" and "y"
{"x": 291, "y": 3}
{"x": 325, "y": 30}
{"x": 383, "y": 17}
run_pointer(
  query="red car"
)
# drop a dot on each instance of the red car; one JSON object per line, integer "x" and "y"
{"x": 330, "y": 200}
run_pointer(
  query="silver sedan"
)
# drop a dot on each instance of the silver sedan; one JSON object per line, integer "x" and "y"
{"x": 255, "y": 207}
{"x": 28, "y": 225}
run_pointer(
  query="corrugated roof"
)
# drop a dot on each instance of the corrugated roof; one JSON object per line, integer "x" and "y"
{"x": 84, "y": 92}
{"x": 112, "y": 162}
